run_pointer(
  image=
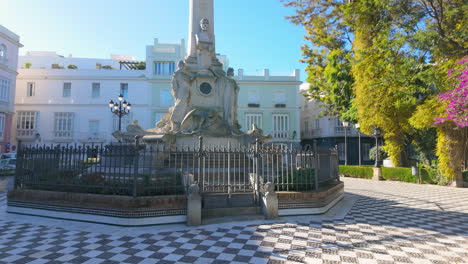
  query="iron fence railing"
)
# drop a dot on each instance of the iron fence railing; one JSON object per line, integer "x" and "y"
{"x": 150, "y": 170}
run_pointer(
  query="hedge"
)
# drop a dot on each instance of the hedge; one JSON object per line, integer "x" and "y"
{"x": 392, "y": 174}
{"x": 398, "y": 174}
{"x": 364, "y": 172}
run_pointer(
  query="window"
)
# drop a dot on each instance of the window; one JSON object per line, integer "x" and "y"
{"x": 306, "y": 127}
{"x": 26, "y": 123}
{"x": 341, "y": 151}
{"x": 3, "y": 53}
{"x": 4, "y": 89}
{"x": 253, "y": 97}
{"x": 63, "y": 124}
{"x": 365, "y": 151}
{"x": 126, "y": 120}
{"x": 158, "y": 117}
{"x": 93, "y": 129}
{"x": 96, "y": 90}
{"x": 251, "y": 119}
{"x": 280, "y": 125}
{"x": 166, "y": 98}
{"x": 280, "y": 97}
{"x": 164, "y": 67}
{"x": 2, "y": 125}
{"x": 30, "y": 89}
{"x": 66, "y": 90}
{"x": 124, "y": 89}
{"x": 317, "y": 123}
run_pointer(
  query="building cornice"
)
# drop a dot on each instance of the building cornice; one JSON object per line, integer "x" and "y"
{"x": 12, "y": 41}
{"x": 80, "y": 105}
{"x": 260, "y": 109}
{"x": 5, "y": 68}
{"x": 268, "y": 82}
{"x": 28, "y": 77}
{"x": 240, "y": 82}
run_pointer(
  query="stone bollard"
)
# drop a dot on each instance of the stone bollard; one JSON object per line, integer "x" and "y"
{"x": 270, "y": 201}
{"x": 377, "y": 176}
{"x": 194, "y": 205}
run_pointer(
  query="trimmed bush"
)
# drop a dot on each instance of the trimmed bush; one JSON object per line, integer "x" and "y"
{"x": 398, "y": 174}
{"x": 465, "y": 176}
{"x": 364, "y": 172}
{"x": 428, "y": 175}
{"x": 391, "y": 174}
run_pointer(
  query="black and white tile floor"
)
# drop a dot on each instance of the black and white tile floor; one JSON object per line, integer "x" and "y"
{"x": 390, "y": 222}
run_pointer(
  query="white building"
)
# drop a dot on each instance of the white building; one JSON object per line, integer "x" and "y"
{"x": 58, "y": 103}
{"x": 9, "y": 45}
{"x": 329, "y": 132}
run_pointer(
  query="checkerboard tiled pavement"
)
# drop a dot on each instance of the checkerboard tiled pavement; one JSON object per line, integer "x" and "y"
{"x": 389, "y": 223}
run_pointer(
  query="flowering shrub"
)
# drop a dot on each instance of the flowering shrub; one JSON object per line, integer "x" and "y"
{"x": 457, "y": 98}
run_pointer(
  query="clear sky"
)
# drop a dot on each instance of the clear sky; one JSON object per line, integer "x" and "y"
{"x": 252, "y": 33}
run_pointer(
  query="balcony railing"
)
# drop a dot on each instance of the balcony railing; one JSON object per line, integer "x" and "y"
{"x": 341, "y": 130}
{"x": 26, "y": 134}
{"x": 93, "y": 136}
{"x": 280, "y": 105}
{"x": 63, "y": 136}
{"x": 280, "y": 134}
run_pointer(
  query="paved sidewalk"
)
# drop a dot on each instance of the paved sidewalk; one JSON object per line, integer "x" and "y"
{"x": 390, "y": 222}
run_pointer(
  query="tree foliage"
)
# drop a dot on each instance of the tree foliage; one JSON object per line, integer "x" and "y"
{"x": 382, "y": 62}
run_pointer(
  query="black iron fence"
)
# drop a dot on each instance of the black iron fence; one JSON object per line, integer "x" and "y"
{"x": 150, "y": 170}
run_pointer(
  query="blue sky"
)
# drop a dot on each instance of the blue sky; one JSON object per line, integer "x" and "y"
{"x": 252, "y": 33}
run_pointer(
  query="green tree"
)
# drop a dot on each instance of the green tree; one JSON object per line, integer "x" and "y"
{"x": 376, "y": 61}
{"x": 328, "y": 56}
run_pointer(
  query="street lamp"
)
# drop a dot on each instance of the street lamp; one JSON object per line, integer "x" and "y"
{"x": 120, "y": 108}
{"x": 345, "y": 125}
{"x": 377, "y": 132}
{"x": 357, "y": 126}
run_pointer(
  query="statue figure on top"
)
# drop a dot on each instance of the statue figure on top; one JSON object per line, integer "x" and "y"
{"x": 205, "y": 45}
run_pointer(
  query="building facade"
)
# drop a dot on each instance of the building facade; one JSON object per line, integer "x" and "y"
{"x": 55, "y": 104}
{"x": 59, "y": 103}
{"x": 329, "y": 132}
{"x": 9, "y": 45}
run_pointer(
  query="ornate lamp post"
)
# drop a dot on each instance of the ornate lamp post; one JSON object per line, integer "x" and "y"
{"x": 120, "y": 108}
{"x": 357, "y": 126}
{"x": 346, "y": 125}
{"x": 377, "y": 132}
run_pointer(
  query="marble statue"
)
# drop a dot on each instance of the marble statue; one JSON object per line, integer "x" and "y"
{"x": 230, "y": 102}
{"x": 205, "y": 45}
{"x": 181, "y": 82}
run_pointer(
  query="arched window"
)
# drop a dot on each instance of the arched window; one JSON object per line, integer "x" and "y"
{"x": 3, "y": 53}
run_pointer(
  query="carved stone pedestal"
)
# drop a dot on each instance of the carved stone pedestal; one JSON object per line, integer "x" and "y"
{"x": 270, "y": 202}
{"x": 194, "y": 206}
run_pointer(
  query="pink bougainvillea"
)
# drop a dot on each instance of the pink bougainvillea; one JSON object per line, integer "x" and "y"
{"x": 457, "y": 98}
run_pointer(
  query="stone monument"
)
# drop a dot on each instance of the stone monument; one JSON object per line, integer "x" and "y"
{"x": 205, "y": 96}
